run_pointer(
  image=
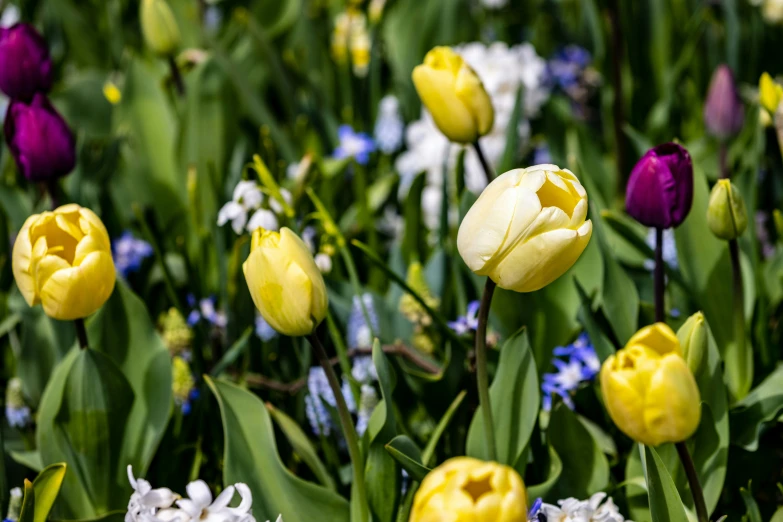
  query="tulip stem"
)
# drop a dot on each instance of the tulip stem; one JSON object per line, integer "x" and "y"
{"x": 81, "y": 333}
{"x": 693, "y": 480}
{"x": 618, "y": 111}
{"x": 739, "y": 309}
{"x": 54, "y": 192}
{"x": 658, "y": 275}
{"x": 176, "y": 76}
{"x": 484, "y": 164}
{"x": 351, "y": 438}
{"x": 482, "y": 377}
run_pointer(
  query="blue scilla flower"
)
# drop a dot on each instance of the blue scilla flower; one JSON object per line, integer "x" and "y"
{"x": 359, "y": 332}
{"x": 567, "y": 66}
{"x": 575, "y": 364}
{"x": 319, "y": 395}
{"x": 468, "y": 322}
{"x": 205, "y": 310}
{"x": 582, "y": 351}
{"x": 532, "y": 514}
{"x": 264, "y": 330}
{"x": 129, "y": 252}
{"x": 550, "y": 390}
{"x": 356, "y": 145}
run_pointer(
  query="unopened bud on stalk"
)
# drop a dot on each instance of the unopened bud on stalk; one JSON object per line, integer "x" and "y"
{"x": 726, "y": 215}
{"x": 693, "y": 341}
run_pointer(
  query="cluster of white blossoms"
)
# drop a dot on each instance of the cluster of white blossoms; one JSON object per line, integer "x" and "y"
{"x": 771, "y": 10}
{"x": 163, "y": 505}
{"x": 504, "y": 71}
{"x": 591, "y": 510}
{"x": 248, "y": 199}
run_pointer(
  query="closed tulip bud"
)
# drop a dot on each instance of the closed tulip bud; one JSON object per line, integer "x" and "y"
{"x": 25, "y": 65}
{"x": 649, "y": 390}
{"x": 660, "y": 189}
{"x": 39, "y": 139}
{"x": 159, "y": 27}
{"x": 454, "y": 95}
{"x": 726, "y": 214}
{"x": 693, "y": 340}
{"x": 527, "y": 228}
{"x": 62, "y": 259}
{"x": 724, "y": 113}
{"x": 285, "y": 283}
{"x": 770, "y": 93}
{"x": 464, "y": 489}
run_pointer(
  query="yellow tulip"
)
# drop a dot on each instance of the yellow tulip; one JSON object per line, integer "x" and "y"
{"x": 648, "y": 389}
{"x": 62, "y": 259}
{"x": 770, "y": 93}
{"x": 469, "y": 490}
{"x": 527, "y": 228}
{"x": 285, "y": 283}
{"x": 454, "y": 95}
{"x": 159, "y": 27}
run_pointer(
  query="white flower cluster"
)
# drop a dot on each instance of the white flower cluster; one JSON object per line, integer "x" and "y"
{"x": 504, "y": 71}
{"x": 158, "y": 505}
{"x": 573, "y": 510}
{"x": 771, "y": 10}
{"x": 248, "y": 198}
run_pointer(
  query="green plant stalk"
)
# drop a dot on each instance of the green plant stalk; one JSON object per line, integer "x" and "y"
{"x": 484, "y": 164}
{"x": 738, "y": 312}
{"x": 693, "y": 480}
{"x": 81, "y": 333}
{"x": 482, "y": 376}
{"x": 349, "y": 431}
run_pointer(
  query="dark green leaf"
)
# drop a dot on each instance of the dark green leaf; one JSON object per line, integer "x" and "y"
{"x": 665, "y": 503}
{"x": 408, "y": 455}
{"x": 47, "y": 486}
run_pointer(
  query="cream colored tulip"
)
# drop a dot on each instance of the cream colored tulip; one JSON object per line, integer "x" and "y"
{"x": 527, "y": 228}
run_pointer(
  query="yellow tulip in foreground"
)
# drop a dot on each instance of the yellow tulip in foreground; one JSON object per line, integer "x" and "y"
{"x": 454, "y": 95}
{"x": 286, "y": 285}
{"x": 469, "y": 490}
{"x": 62, "y": 259}
{"x": 527, "y": 228}
{"x": 648, "y": 389}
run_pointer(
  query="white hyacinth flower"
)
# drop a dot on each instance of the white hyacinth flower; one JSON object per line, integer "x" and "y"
{"x": 246, "y": 198}
{"x": 324, "y": 262}
{"x": 200, "y": 506}
{"x": 591, "y": 510}
{"x": 263, "y": 218}
{"x": 145, "y": 502}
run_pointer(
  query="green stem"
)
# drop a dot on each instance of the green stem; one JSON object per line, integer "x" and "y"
{"x": 738, "y": 310}
{"x": 484, "y": 163}
{"x": 349, "y": 431}
{"x": 482, "y": 377}
{"x": 693, "y": 480}
{"x": 81, "y": 334}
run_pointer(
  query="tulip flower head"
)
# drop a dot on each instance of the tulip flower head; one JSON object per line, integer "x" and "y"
{"x": 454, "y": 95}
{"x": 724, "y": 113}
{"x": 39, "y": 139}
{"x": 25, "y": 65}
{"x": 285, "y": 283}
{"x": 464, "y": 489}
{"x": 726, "y": 214}
{"x": 62, "y": 259}
{"x": 527, "y": 228}
{"x": 660, "y": 190}
{"x": 649, "y": 390}
{"x": 770, "y": 93}
{"x": 159, "y": 27}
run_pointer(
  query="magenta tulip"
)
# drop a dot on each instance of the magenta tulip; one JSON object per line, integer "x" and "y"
{"x": 25, "y": 66}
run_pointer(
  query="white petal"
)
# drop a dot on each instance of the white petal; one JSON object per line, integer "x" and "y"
{"x": 159, "y": 498}
{"x": 192, "y": 509}
{"x": 229, "y": 211}
{"x": 199, "y": 493}
{"x": 247, "y": 499}
{"x": 223, "y": 500}
{"x": 263, "y": 218}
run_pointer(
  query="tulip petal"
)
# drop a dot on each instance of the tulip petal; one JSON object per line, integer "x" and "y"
{"x": 21, "y": 260}
{"x": 471, "y": 92}
{"x": 672, "y": 409}
{"x": 77, "y": 292}
{"x": 451, "y": 115}
{"x": 659, "y": 337}
{"x": 624, "y": 402}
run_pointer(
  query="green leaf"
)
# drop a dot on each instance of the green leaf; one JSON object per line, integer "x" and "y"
{"x": 381, "y": 473}
{"x": 515, "y": 399}
{"x": 27, "y": 513}
{"x": 553, "y": 475}
{"x": 302, "y": 446}
{"x": 47, "y": 486}
{"x": 762, "y": 405}
{"x": 601, "y": 343}
{"x": 408, "y": 455}
{"x": 665, "y": 503}
{"x": 111, "y": 516}
{"x": 231, "y": 355}
{"x": 250, "y": 456}
{"x": 429, "y": 449}
{"x": 414, "y": 236}
{"x": 587, "y": 470}
{"x": 123, "y": 330}
{"x": 30, "y": 459}
{"x": 753, "y": 512}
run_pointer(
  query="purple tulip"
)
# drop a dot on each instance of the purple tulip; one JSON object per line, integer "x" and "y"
{"x": 660, "y": 189}
{"x": 39, "y": 139}
{"x": 25, "y": 66}
{"x": 724, "y": 113}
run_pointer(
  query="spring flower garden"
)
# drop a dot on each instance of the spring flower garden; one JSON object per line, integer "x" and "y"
{"x": 391, "y": 261}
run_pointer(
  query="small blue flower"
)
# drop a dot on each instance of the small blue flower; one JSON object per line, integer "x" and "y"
{"x": 356, "y": 145}
{"x": 582, "y": 365}
{"x": 129, "y": 253}
{"x": 550, "y": 390}
{"x": 359, "y": 333}
{"x": 541, "y": 155}
{"x": 532, "y": 514}
{"x": 18, "y": 417}
{"x": 363, "y": 370}
{"x": 206, "y": 310}
{"x": 264, "y": 330}
{"x": 468, "y": 322}
{"x": 567, "y": 66}
{"x": 389, "y": 127}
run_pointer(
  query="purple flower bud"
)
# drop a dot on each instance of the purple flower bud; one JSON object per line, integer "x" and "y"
{"x": 660, "y": 189}
{"x": 39, "y": 139}
{"x": 724, "y": 113}
{"x": 25, "y": 66}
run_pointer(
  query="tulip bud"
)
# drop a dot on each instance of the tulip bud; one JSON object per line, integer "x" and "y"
{"x": 25, "y": 66}
{"x": 527, "y": 228}
{"x": 726, "y": 215}
{"x": 693, "y": 340}
{"x": 159, "y": 27}
{"x": 649, "y": 390}
{"x": 285, "y": 283}
{"x": 454, "y": 95}
{"x": 724, "y": 113}
{"x": 39, "y": 139}
{"x": 660, "y": 189}
{"x": 62, "y": 259}
{"x": 770, "y": 93}
{"x": 464, "y": 489}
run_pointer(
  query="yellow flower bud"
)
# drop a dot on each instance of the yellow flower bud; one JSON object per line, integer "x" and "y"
{"x": 469, "y": 490}
{"x": 648, "y": 389}
{"x": 770, "y": 93}
{"x": 454, "y": 95}
{"x": 285, "y": 283}
{"x": 527, "y": 228}
{"x": 62, "y": 259}
{"x": 693, "y": 340}
{"x": 726, "y": 214}
{"x": 159, "y": 27}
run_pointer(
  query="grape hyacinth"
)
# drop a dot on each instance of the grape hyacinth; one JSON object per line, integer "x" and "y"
{"x": 320, "y": 394}
{"x": 359, "y": 333}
